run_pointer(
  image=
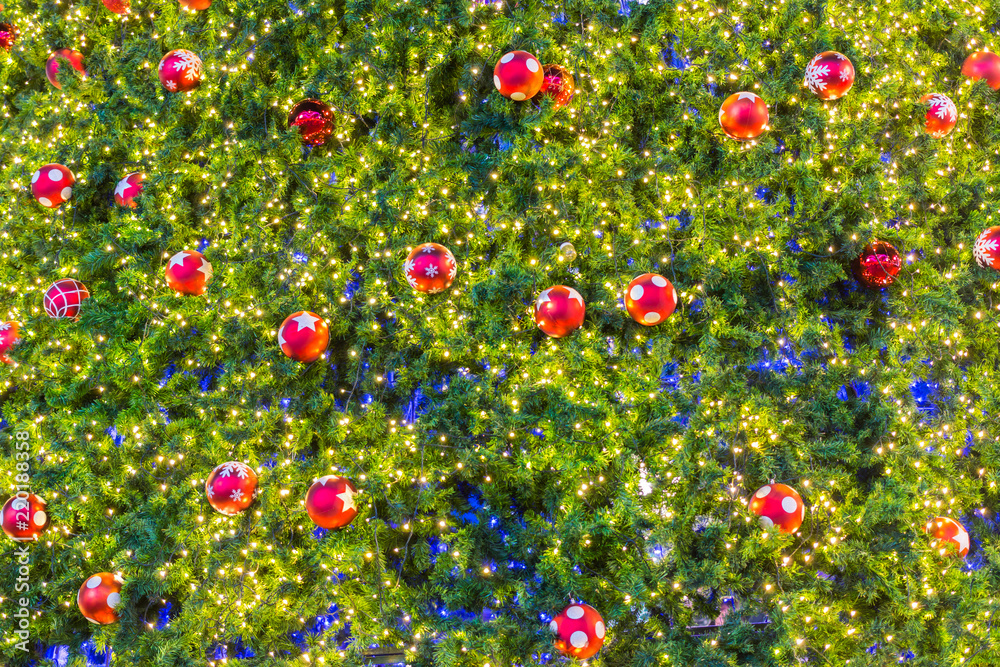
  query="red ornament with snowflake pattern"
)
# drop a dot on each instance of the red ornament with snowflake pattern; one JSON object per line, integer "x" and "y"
{"x": 24, "y": 517}
{"x": 559, "y": 311}
{"x": 430, "y": 268}
{"x": 303, "y": 336}
{"x": 9, "y": 337}
{"x": 986, "y": 250}
{"x": 941, "y": 114}
{"x": 128, "y": 189}
{"x": 743, "y": 116}
{"x": 231, "y": 487}
{"x": 180, "y": 71}
{"x": 330, "y": 502}
{"x": 983, "y": 65}
{"x": 579, "y": 631}
{"x": 778, "y": 506}
{"x": 188, "y": 272}
{"x": 99, "y": 595}
{"x": 830, "y": 75}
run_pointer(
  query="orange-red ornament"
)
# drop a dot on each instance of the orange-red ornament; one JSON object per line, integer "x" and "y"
{"x": 188, "y": 272}
{"x": 830, "y": 75}
{"x": 743, "y": 116}
{"x": 558, "y": 84}
{"x": 52, "y": 185}
{"x": 99, "y": 595}
{"x": 949, "y": 531}
{"x": 518, "y": 75}
{"x": 941, "y": 114}
{"x": 983, "y": 65}
{"x": 650, "y": 299}
{"x": 128, "y": 189}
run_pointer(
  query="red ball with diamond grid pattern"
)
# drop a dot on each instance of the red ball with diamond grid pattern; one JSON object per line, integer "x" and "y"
{"x": 64, "y": 297}
{"x": 231, "y": 487}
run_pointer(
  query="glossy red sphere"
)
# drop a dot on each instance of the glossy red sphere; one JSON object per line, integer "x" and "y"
{"x": 983, "y": 65}
{"x": 9, "y": 34}
{"x": 830, "y": 75}
{"x": 558, "y": 84}
{"x": 24, "y": 517}
{"x": 188, "y": 272}
{"x": 117, "y": 6}
{"x": 941, "y": 114}
{"x": 314, "y": 121}
{"x": 778, "y": 506}
{"x": 878, "y": 265}
{"x": 196, "y": 5}
{"x": 743, "y": 116}
{"x": 987, "y": 249}
{"x": 64, "y": 298}
{"x": 950, "y": 532}
{"x": 180, "y": 71}
{"x": 128, "y": 189}
{"x": 518, "y": 75}
{"x": 9, "y": 337}
{"x": 330, "y": 502}
{"x": 59, "y": 58}
{"x": 430, "y": 268}
{"x": 52, "y": 185}
{"x": 579, "y": 631}
{"x": 559, "y": 311}
{"x": 231, "y": 487}
{"x": 650, "y": 299}
{"x": 99, "y": 595}
{"x": 303, "y": 336}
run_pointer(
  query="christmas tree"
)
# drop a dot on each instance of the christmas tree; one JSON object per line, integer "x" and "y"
{"x": 214, "y": 221}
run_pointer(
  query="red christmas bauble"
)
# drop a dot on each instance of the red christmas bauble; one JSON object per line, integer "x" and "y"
{"x": 650, "y": 299}
{"x": 743, "y": 116}
{"x": 117, "y": 6}
{"x": 231, "y": 487}
{"x": 983, "y": 65}
{"x": 579, "y": 631}
{"x": 330, "y": 502}
{"x": 73, "y": 58}
{"x": 64, "y": 297}
{"x": 52, "y": 185}
{"x": 196, "y": 5}
{"x": 9, "y": 34}
{"x": 558, "y": 84}
{"x": 941, "y": 114}
{"x": 780, "y": 506}
{"x": 98, "y": 597}
{"x": 878, "y": 265}
{"x": 303, "y": 336}
{"x": 518, "y": 75}
{"x": 559, "y": 311}
{"x": 314, "y": 120}
{"x": 830, "y": 75}
{"x": 987, "y": 249}
{"x": 8, "y": 338}
{"x": 128, "y": 189}
{"x": 950, "y": 532}
{"x": 188, "y": 272}
{"x": 24, "y": 517}
{"x": 180, "y": 71}
{"x": 430, "y": 268}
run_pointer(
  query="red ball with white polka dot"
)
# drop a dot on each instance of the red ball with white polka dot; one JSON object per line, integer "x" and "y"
{"x": 986, "y": 250}
{"x": 24, "y": 517}
{"x": 579, "y": 631}
{"x": 188, "y": 272}
{"x": 518, "y": 75}
{"x": 951, "y": 533}
{"x": 180, "y": 71}
{"x": 330, "y": 502}
{"x": 52, "y": 185}
{"x": 778, "y": 506}
{"x": 64, "y": 298}
{"x": 941, "y": 115}
{"x": 650, "y": 299}
{"x": 430, "y": 268}
{"x": 231, "y": 487}
{"x": 303, "y": 336}
{"x": 99, "y": 596}
{"x": 559, "y": 311}
{"x": 128, "y": 189}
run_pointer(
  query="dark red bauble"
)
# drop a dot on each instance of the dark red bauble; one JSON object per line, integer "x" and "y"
{"x": 743, "y": 116}
{"x": 196, "y": 5}
{"x": 188, "y": 272}
{"x": 878, "y": 265}
{"x": 231, "y": 487}
{"x": 558, "y": 84}
{"x": 559, "y": 311}
{"x": 99, "y": 595}
{"x": 780, "y": 506}
{"x": 950, "y": 532}
{"x": 650, "y": 299}
{"x": 830, "y": 75}
{"x": 941, "y": 115}
{"x": 64, "y": 297}
{"x": 303, "y": 336}
{"x": 314, "y": 120}
{"x": 128, "y": 189}
{"x": 180, "y": 71}
{"x": 987, "y": 249}
{"x": 117, "y": 6}
{"x": 52, "y": 185}
{"x": 579, "y": 631}
{"x": 60, "y": 56}
{"x": 9, "y": 34}
{"x": 330, "y": 502}
{"x": 24, "y": 517}
{"x": 983, "y": 65}
{"x": 430, "y": 268}
{"x": 8, "y": 338}
{"x": 518, "y": 75}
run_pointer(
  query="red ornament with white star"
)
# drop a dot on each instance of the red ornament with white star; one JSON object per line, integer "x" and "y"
{"x": 579, "y": 631}
{"x": 303, "y": 336}
{"x": 950, "y": 532}
{"x": 778, "y": 506}
{"x": 983, "y": 65}
{"x": 330, "y": 502}
{"x": 8, "y": 338}
{"x": 64, "y": 297}
{"x": 830, "y": 75}
{"x": 180, "y": 71}
{"x": 743, "y": 116}
{"x": 430, "y": 268}
{"x": 99, "y": 595}
{"x": 188, "y": 272}
{"x": 650, "y": 299}
{"x": 52, "y": 185}
{"x": 986, "y": 250}
{"x": 60, "y": 58}
{"x": 24, "y": 517}
{"x": 941, "y": 114}
{"x": 128, "y": 189}
{"x": 559, "y": 311}
{"x": 518, "y": 75}
{"x": 231, "y": 487}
